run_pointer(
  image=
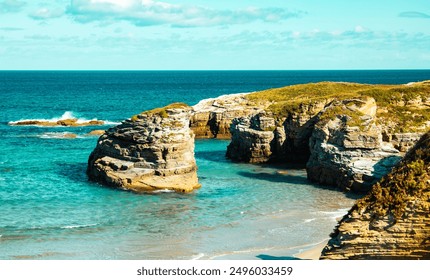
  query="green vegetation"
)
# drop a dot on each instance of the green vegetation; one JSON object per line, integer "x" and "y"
{"x": 400, "y": 105}
{"x": 290, "y": 99}
{"x": 353, "y": 118}
{"x": 162, "y": 112}
{"x": 407, "y": 182}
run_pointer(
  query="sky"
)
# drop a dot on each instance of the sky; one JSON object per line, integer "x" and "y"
{"x": 214, "y": 35}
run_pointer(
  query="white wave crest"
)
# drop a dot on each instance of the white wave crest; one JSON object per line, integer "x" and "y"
{"x": 59, "y": 135}
{"x": 197, "y": 257}
{"x": 163, "y": 191}
{"x": 339, "y": 213}
{"x": 68, "y": 115}
{"x": 78, "y": 226}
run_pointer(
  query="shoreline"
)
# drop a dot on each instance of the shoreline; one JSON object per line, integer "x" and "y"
{"x": 312, "y": 253}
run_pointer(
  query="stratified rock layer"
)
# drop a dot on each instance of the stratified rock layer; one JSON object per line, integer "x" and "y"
{"x": 211, "y": 118}
{"x": 152, "y": 151}
{"x": 346, "y": 149}
{"x": 251, "y": 139}
{"x": 393, "y": 220}
{"x": 348, "y": 135}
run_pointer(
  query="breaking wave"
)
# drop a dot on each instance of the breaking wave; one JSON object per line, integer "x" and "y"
{"x": 66, "y": 116}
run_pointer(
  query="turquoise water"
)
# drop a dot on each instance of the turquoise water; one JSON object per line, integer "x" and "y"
{"x": 49, "y": 210}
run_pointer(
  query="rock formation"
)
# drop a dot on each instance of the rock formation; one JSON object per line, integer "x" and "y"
{"x": 346, "y": 147}
{"x": 251, "y": 139}
{"x": 348, "y": 135}
{"x": 392, "y": 221}
{"x": 151, "y": 151}
{"x": 62, "y": 122}
{"x": 211, "y": 118}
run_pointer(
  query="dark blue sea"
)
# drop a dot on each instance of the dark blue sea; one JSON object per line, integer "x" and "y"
{"x": 49, "y": 210}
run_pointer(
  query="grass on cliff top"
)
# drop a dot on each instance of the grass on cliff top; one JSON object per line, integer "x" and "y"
{"x": 162, "y": 112}
{"x": 396, "y": 100}
{"x": 407, "y": 182}
{"x": 289, "y": 99}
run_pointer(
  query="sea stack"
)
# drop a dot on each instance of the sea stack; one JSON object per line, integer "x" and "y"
{"x": 152, "y": 151}
{"x": 392, "y": 221}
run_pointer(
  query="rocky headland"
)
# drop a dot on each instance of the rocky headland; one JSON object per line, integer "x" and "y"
{"x": 211, "y": 118}
{"x": 152, "y": 151}
{"x": 347, "y": 135}
{"x": 393, "y": 220}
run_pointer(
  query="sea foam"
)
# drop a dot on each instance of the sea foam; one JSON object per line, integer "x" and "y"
{"x": 68, "y": 115}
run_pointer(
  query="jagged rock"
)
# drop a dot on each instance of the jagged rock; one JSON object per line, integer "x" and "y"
{"x": 346, "y": 148}
{"x": 64, "y": 122}
{"x": 404, "y": 141}
{"x": 392, "y": 221}
{"x": 211, "y": 118}
{"x": 251, "y": 139}
{"x": 152, "y": 151}
{"x": 298, "y": 128}
{"x": 339, "y": 140}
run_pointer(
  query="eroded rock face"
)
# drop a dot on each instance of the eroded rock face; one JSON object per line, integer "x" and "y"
{"x": 346, "y": 149}
{"x": 392, "y": 221}
{"x": 338, "y": 140}
{"x": 251, "y": 139}
{"x": 150, "y": 152}
{"x": 211, "y": 118}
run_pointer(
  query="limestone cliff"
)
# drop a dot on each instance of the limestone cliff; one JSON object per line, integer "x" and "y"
{"x": 348, "y": 135}
{"x": 251, "y": 139}
{"x": 346, "y": 147}
{"x": 151, "y": 151}
{"x": 393, "y": 220}
{"x": 211, "y": 118}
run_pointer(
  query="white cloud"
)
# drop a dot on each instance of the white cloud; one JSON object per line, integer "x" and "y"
{"x": 149, "y": 12}
{"x": 359, "y": 29}
{"x": 46, "y": 13}
{"x": 11, "y": 6}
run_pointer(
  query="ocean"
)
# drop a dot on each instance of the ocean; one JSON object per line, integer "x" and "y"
{"x": 49, "y": 210}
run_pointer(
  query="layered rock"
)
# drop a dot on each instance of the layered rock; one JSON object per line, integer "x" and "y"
{"x": 251, "y": 139}
{"x": 211, "y": 118}
{"x": 392, "y": 221}
{"x": 346, "y": 147}
{"x": 348, "y": 135}
{"x": 151, "y": 151}
{"x": 339, "y": 141}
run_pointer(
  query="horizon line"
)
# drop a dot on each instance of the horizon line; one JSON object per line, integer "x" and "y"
{"x": 205, "y": 70}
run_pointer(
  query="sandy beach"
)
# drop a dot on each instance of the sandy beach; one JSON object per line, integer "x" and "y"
{"x": 313, "y": 253}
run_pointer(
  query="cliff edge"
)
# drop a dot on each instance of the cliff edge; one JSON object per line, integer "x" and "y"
{"x": 347, "y": 135}
{"x": 393, "y": 220}
{"x": 150, "y": 152}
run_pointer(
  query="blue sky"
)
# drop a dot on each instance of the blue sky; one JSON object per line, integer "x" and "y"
{"x": 217, "y": 34}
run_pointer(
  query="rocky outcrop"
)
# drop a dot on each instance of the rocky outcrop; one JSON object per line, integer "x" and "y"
{"x": 151, "y": 151}
{"x": 96, "y": 132}
{"x": 262, "y": 138}
{"x": 62, "y": 122}
{"x": 339, "y": 141}
{"x": 251, "y": 139}
{"x": 211, "y": 118}
{"x": 392, "y": 221}
{"x": 348, "y": 135}
{"x": 346, "y": 147}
